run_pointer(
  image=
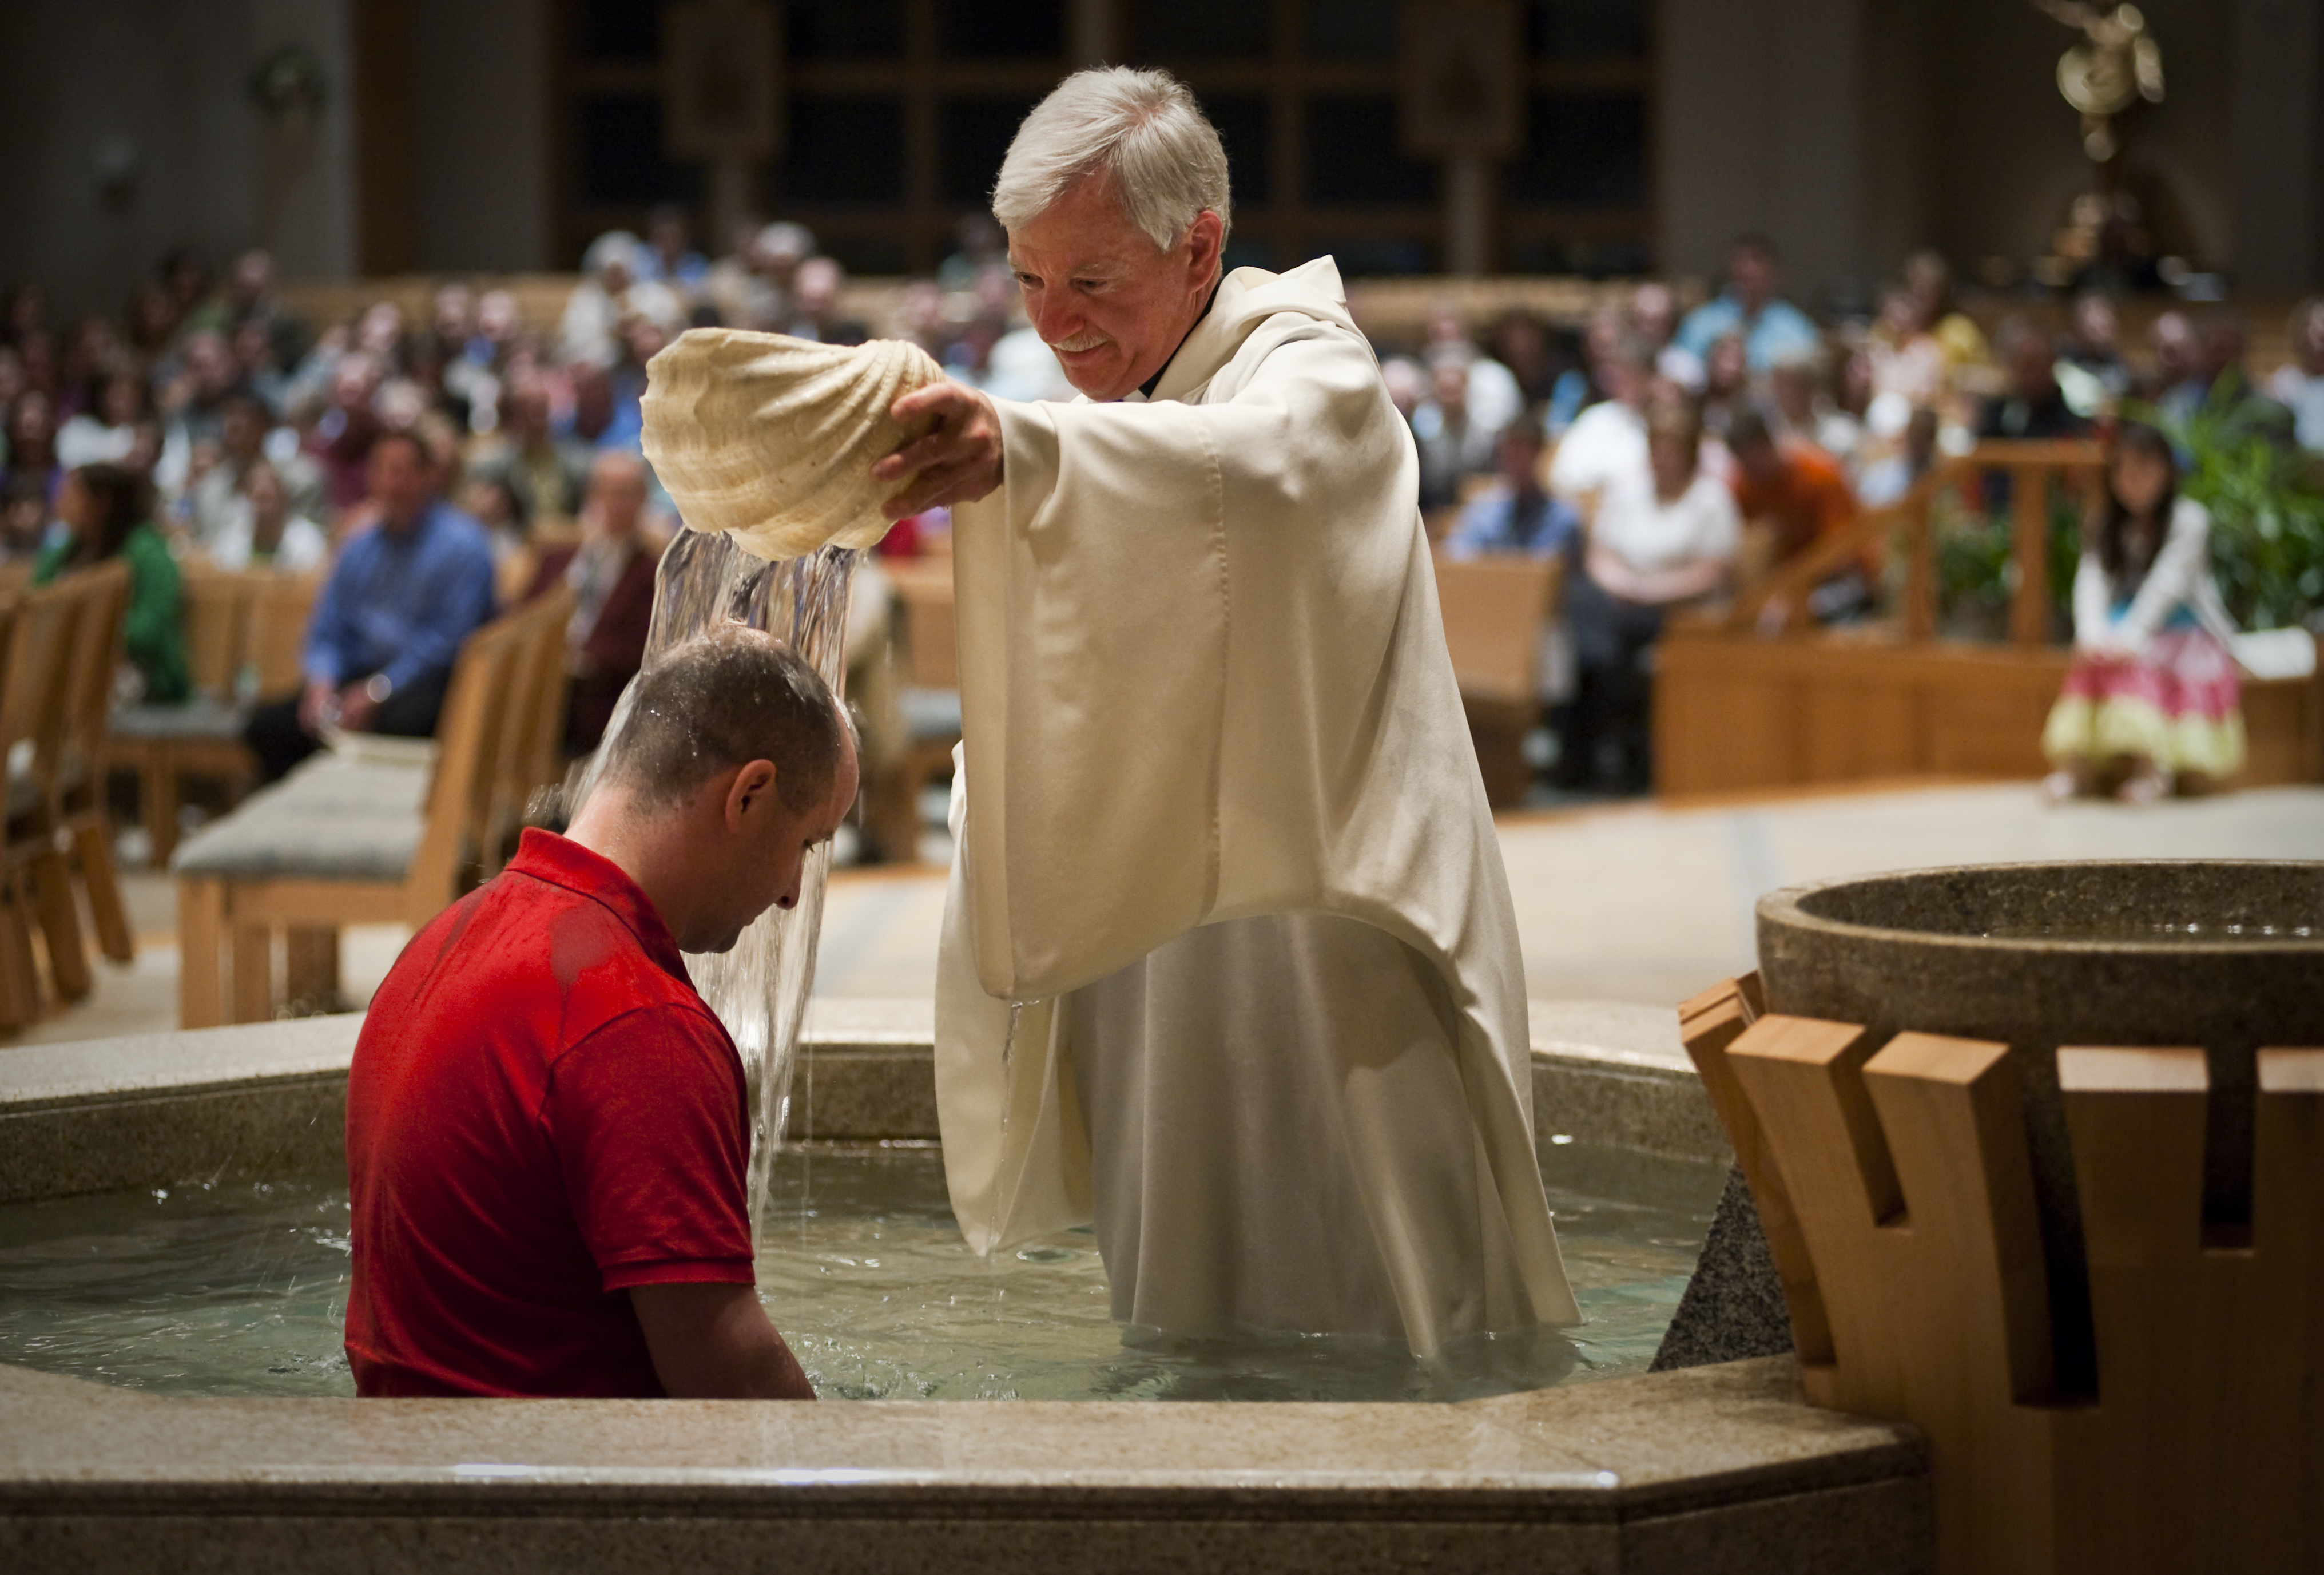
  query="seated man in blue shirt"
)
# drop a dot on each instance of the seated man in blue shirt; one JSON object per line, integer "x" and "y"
{"x": 402, "y": 598}
{"x": 1773, "y": 328}
{"x": 1516, "y": 516}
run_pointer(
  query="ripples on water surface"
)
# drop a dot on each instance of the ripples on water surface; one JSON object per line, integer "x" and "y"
{"x": 240, "y": 1289}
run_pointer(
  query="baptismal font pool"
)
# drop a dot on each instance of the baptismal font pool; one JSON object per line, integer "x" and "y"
{"x": 239, "y": 1288}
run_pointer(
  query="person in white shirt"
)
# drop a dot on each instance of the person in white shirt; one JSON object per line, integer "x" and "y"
{"x": 1666, "y": 533}
{"x": 104, "y": 436}
{"x": 258, "y": 528}
{"x": 2151, "y": 700}
{"x": 1610, "y": 437}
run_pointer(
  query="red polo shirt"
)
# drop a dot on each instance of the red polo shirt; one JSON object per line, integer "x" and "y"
{"x": 540, "y": 1114}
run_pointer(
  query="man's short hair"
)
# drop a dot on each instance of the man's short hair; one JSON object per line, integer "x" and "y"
{"x": 1144, "y": 128}
{"x": 723, "y": 699}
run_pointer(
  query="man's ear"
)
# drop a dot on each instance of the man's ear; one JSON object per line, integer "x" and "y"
{"x": 753, "y": 785}
{"x": 1206, "y": 240}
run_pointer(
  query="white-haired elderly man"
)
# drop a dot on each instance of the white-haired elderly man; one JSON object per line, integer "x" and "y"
{"x": 1223, "y": 840}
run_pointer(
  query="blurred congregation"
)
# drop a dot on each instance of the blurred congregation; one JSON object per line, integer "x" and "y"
{"x": 1663, "y": 451}
{"x": 1756, "y": 357}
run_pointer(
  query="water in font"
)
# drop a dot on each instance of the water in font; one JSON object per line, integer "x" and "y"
{"x": 240, "y": 1289}
{"x": 758, "y": 989}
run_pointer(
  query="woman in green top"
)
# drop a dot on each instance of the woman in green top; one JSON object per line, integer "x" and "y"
{"x": 108, "y": 508}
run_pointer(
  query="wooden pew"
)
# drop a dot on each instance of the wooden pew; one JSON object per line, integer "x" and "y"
{"x": 77, "y": 786}
{"x": 928, "y": 699}
{"x": 35, "y": 885}
{"x": 1762, "y": 698}
{"x": 243, "y": 634}
{"x": 319, "y": 851}
{"x": 1495, "y": 610}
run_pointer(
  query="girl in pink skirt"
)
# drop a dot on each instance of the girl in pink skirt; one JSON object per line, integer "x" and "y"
{"x": 2151, "y": 700}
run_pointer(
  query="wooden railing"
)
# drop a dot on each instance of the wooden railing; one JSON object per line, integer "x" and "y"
{"x": 2036, "y": 470}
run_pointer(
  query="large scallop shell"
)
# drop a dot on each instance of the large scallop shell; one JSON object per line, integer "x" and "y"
{"x": 773, "y": 439}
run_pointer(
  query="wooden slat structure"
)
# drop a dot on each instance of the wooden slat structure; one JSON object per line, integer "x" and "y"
{"x": 243, "y": 633}
{"x": 1761, "y": 698}
{"x": 77, "y": 803}
{"x": 1895, "y": 1183}
{"x": 35, "y": 882}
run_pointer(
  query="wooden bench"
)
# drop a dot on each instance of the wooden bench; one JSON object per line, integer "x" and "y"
{"x": 1762, "y": 698}
{"x": 928, "y": 699}
{"x": 374, "y": 833}
{"x": 1495, "y": 611}
{"x": 35, "y": 891}
{"x": 243, "y": 633}
{"x": 82, "y": 820}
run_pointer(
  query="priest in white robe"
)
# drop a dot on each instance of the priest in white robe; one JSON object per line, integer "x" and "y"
{"x": 1229, "y": 962}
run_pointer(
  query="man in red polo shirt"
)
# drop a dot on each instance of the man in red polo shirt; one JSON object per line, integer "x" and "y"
{"x": 546, "y": 1127}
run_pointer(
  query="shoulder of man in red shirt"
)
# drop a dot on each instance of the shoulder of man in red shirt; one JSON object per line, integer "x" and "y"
{"x": 541, "y": 1114}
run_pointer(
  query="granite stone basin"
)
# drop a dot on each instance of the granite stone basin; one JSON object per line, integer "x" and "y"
{"x": 2225, "y": 954}
{"x": 1724, "y": 1470}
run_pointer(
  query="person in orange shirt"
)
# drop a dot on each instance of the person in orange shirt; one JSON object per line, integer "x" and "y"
{"x": 1792, "y": 495}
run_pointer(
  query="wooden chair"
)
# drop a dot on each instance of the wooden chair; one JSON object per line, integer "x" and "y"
{"x": 517, "y": 747}
{"x": 928, "y": 700}
{"x": 164, "y": 744}
{"x": 35, "y": 887}
{"x": 243, "y": 633}
{"x": 1495, "y": 610}
{"x": 335, "y": 843}
{"x": 526, "y": 736}
{"x": 281, "y": 607}
{"x": 80, "y": 814}
{"x": 542, "y": 755}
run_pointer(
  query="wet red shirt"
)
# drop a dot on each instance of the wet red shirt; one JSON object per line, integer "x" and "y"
{"x": 542, "y": 1113}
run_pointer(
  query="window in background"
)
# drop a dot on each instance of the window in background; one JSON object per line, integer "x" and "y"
{"x": 1352, "y": 30}
{"x": 618, "y": 30}
{"x": 839, "y": 30}
{"x": 900, "y": 112}
{"x": 1242, "y": 125}
{"x": 619, "y": 143}
{"x": 1583, "y": 151}
{"x": 973, "y": 135}
{"x": 1353, "y": 154}
{"x": 843, "y": 150}
{"x": 1164, "y": 30}
{"x": 984, "y": 30}
{"x": 1586, "y": 30}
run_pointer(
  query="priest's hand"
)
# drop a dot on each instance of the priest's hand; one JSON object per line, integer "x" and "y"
{"x": 958, "y": 461}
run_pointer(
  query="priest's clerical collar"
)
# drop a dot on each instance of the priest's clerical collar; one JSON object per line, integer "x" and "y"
{"x": 1146, "y": 389}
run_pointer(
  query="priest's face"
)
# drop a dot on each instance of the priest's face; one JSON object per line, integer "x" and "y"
{"x": 1102, "y": 295}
